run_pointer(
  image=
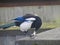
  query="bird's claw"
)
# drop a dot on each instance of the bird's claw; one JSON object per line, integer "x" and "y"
{"x": 32, "y": 36}
{"x": 25, "y": 32}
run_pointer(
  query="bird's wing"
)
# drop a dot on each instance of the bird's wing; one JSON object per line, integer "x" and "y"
{"x": 30, "y": 19}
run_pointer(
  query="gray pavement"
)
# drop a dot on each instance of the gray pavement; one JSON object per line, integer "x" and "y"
{"x": 45, "y": 37}
{"x": 53, "y": 34}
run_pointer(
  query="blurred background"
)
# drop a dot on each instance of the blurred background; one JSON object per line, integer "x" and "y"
{"x": 50, "y": 15}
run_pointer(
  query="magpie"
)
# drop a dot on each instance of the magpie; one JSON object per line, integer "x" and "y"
{"x": 27, "y": 22}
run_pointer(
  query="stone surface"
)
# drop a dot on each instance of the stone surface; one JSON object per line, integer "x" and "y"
{"x": 53, "y": 34}
{"x": 49, "y": 37}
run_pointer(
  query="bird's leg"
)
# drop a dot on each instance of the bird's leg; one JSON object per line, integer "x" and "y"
{"x": 25, "y": 32}
{"x": 34, "y": 33}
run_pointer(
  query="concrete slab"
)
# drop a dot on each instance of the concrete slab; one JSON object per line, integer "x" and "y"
{"x": 45, "y": 37}
{"x": 53, "y": 34}
{"x": 50, "y": 37}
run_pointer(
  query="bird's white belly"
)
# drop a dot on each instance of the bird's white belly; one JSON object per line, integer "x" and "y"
{"x": 25, "y": 26}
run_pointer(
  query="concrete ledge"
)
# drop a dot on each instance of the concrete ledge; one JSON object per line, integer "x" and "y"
{"x": 49, "y": 37}
{"x": 53, "y": 34}
{"x": 38, "y": 42}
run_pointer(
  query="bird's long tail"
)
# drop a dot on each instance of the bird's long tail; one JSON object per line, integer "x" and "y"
{"x": 7, "y": 25}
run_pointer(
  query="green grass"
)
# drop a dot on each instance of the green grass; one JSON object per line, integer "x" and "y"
{"x": 53, "y": 24}
{"x": 49, "y": 25}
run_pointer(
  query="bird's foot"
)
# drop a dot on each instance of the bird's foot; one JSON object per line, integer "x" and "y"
{"x": 25, "y": 32}
{"x": 32, "y": 36}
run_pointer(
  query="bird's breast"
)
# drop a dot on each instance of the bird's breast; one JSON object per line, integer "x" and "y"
{"x": 25, "y": 25}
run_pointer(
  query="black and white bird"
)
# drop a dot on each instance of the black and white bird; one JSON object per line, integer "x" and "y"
{"x": 27, "y": 22}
